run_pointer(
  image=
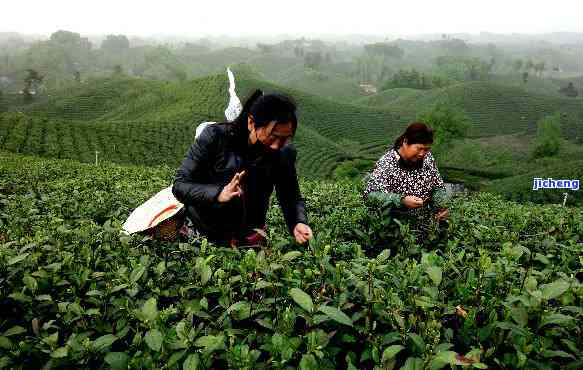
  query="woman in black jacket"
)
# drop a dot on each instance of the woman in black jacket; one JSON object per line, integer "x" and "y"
{"x": 231, "y": 170}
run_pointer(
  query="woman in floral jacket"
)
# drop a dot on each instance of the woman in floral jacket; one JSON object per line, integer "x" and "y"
{"x": 406, "y": 178}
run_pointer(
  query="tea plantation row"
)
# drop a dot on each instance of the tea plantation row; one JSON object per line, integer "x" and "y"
{"x": 504, "y": 290}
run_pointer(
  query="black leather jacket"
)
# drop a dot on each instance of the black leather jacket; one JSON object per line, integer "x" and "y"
{"x": 211, "y": 163}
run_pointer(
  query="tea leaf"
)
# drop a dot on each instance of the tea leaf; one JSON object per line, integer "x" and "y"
{"x": 137, "y": 273}
{"x": 150, "y": 310}
{"x": 154, "y": 339}
{"x": 191, "y": 362}
{"x": 554, "y": 290}
{"x": 240, "y": 310}
{"x": 104, "y": 342}
{"x": 211, "y": 343}
{"x": 390, "y": 352}
{"x": 60, "y": 352}
{"x": 289, "y": 256}
{"x": 17, "y": 259}
{"x": 556, "y": 319}
{"x": 442, "y": 359}
{"x": 413, "y": 363}
{"x": 435, "y": 274}
{"x": 117, "y": 360}
{"x": 302, "y": 299}
{"x": 15, "y": 330}
{"x": 336, "y": 315}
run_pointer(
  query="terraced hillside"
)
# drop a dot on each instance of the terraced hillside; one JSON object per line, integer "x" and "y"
{"x": 534, "y": 85}
{"x": 149, "y": 122}
{"x": 494, "y": 109}
{"x": 519, "y": 187}
{"x": 390, "y": 97}
{"x": 331, "y": 81}
{"x": 323, "y": 83}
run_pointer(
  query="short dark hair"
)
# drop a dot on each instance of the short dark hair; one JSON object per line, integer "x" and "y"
{"x": 416, "y": 133}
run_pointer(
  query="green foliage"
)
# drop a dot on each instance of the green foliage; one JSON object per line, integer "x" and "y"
{"x": 69, "y": 39}
{"x": 115, "y": 43}
{"x": 321, "y": 82}
{"x": 415, "y": 80}
{"x": 503, "y": 291}
{"x": 448, "y": 122}
{"x": 385, "y": 49}
{"x": 519, "y": 187}
{"x": 352, "y": 169}
{"x": 494, "y": 108}
{"x": 463, "y": 68}
{"x": 313, "y": 59}
{"x": 136, "y": 121}
{"x": 548, "y": 137}
{"x": 570, "y": 90}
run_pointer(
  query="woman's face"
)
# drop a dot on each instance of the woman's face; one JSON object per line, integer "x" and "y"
{"x": 274, "y": 136}
{"x": 414, "y": 152}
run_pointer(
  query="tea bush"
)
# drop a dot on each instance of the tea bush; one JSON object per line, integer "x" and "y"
{"x": 502, "y": 291}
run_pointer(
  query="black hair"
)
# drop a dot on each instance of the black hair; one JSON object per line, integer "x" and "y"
{"x": 265, "y": 108}
{"x": 416, "y": 133}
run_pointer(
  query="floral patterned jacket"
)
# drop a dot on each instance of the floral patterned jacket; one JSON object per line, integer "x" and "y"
{"x": 391, "y": 181}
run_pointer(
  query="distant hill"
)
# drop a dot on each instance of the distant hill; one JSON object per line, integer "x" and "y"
{"x": 390, "y": 97}
{"x": 135, "y": 121}
{"x": 495, "y": 108}
{"x": 519, "y": 187}
{"x": 325, "y": 81}
{"x": 322, "y": 83}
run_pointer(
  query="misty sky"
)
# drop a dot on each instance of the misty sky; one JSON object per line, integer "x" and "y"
{"x": 302, "y": 17}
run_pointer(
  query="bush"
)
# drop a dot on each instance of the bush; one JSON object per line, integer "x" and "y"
{"x": 352, "y": 169}
{"x": 415, "y": 80}
{"x": 504, "y": 291}
{"x": 548, "y": 137}
{"x": 448, "y": 122}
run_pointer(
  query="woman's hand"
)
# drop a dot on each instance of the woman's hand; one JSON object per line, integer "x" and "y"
{"x": 302, "y": 233}
{"x": 411, "y": 201}
{"x": 442, "y": 214}
{"x": 232, "y": 189}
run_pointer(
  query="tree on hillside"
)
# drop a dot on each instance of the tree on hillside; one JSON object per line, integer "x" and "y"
{"x": 578, "y": 132}
{"x": 464, "y": 69}
{"x": 570, "y": 90}
{"x": 385, "y": 50}
{"x": 415, "y": 80}
{"x": 313, "y": 59}
{"x": 117, "y": 70}
{"x": 448, "y": 122}
{"x": 297, "y": 51}
{"x": 548, "y": 137}
{"x": 524, "y": 77}
{"x": 32, "y": 81}
{"x": 539, "y": 68}
{"x": 59, "y": 57}
{"x": 265, "y": 48}
{"x": 454, "y": 46}
{"x": 115, "y": 43}
{"x": 517, "y": 65}
{"x": 70, "y": 39}
{"x": 529, "y": 65}
{"x": 165, "y": 64}
{"x": 192, "y": 49}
